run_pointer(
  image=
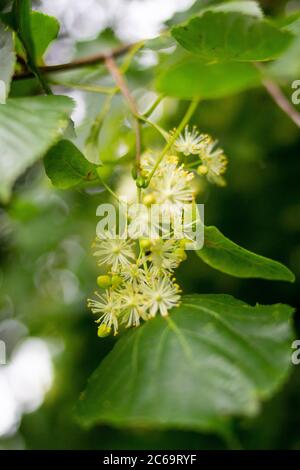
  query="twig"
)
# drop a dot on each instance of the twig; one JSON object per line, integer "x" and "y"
{"x": 280, "y": 99}
{"x": 122, "y": 85}
{"x": 91, "y": 60}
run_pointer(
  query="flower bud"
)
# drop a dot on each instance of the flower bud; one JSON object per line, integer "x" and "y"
{"x": 116, "y": 280}
{"x": 202, "y": 170}
{"x": 144, "y": 174}
{"x": 141, "y": 182}
{"x": 183, "y": 242}
{"x": 104, "y": 281}
{"x": 180, "y": 253}
{"x": 145, "y": 243}
{"x": 149, "y": 199}
{"x": 103, "y": 330}
{"x": 134, "y": 172}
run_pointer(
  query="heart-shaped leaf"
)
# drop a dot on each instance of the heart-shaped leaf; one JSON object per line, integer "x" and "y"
{"x": 222, "y": 36}
{"x": 214, "y": 357}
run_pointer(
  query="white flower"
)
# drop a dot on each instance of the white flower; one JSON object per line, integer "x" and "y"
{"x": 126, "y": 188}
{"x": 214, "y": 162}
{"x": 190, "y": 142}
{"x": 133, "y": 272}
{"x": 149, "y": 159}
{"x": 160, "y": 293}
{"x": 132, "y": 304}
{"x": 114, "y": 251}
{"x": 139, "y": 221}
{"x": 166, "y": 254}
{"x": 144, "y": 222}
{"x": 173, "y": 190}
{"x": 107, "y": 305}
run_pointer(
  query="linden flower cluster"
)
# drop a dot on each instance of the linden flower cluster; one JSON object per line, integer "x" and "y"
{"x": 213, "y": 162}
{"x": 139, "y": 282}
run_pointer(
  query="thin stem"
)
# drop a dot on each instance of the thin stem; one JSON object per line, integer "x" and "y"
{"x": 190, "y": 111}
{"x": 278, "y": 96}
{"x": 231, "y": 439}
{"x": 122, "y": 85}
{"x": 96, "y": 127}
{"x": 161, "y": 131}
{"x": 129, "y": 57}
{"x": 85, "y": 87}
{"x": 42, "y": 81}
{"x": 36, "y": 72}
{"x": 192, "y": 165}
{"x": 92, "y": 138}
{"x": 109, "y": 189}
{"x": 154, "y": 105}
{"x": 85, "y": 61}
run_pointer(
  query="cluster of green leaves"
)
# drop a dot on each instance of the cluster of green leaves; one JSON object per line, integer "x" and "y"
{"x": 215, "y": 357}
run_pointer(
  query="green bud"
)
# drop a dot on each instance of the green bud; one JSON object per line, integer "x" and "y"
{"x": 134, "y": 172}
{"x": 104, "y": 281}
{"x": 149, "y": 199}
{"x": 180, "y": 253}
{"x": 144, "y": 174}
{"x": 141, "y": 182}
{"x": 145, "y": 243}
{"x": 202, "y": 170}
{"x": 183, "y": 242}
{"x": 103, "y": 330}
{"x": 116, "y": 280}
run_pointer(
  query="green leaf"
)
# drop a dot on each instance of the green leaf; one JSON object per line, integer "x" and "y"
{"x": 245, "y": 7}
{"x": 66, "y": 166}
{"x": 7, "y": 61}
{"x": 22, "y": 20}
{"x": 220, "y": 36}
{"x": 44, "y": 29}
{"x": 214, "y": 357}
{"x": 191, "y": 78}
{"x": 28, "y": 128}
{"x": 35, "y": 34}
{"x": 221, "y": 253}
{"x": 287, "y": 66}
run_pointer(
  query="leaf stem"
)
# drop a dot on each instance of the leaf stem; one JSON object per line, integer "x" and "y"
{"x": 92, "y": 138}
{"x": 161, "y": 131}
{"x": 108, "y": 188}
{"x": 41, "y": 79}
{"x": 231, "y": 439}
{"x": 85, "y": 87}
{"x": 152, "y": 108}
{"x": 122, "y": 85}
{"x": 278, "y": 96}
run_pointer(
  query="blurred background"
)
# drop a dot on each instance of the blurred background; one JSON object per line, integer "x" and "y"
{"x": 47, "y": 269}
